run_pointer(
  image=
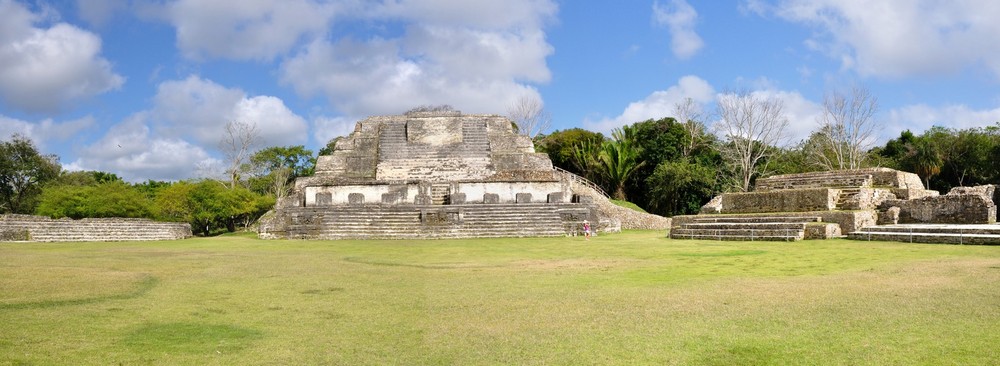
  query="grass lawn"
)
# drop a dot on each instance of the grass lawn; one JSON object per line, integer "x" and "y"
{"x": 631, "y": 298}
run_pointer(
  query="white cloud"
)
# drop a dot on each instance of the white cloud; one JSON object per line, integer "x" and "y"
{"x": 129, "y": 150}
{"x": 199, "y": 109}
{"x": 44, "y": 69}
{"x": 327, "y": 128}
{"x": 919, "y": 118}
{"x": 477, "y": 57}
{"x": 680, "y": 17}
{"x": 245, "y": 29}
{"x": 98, "y": 12}
{"x": 45, "y": 131}
{"x": 657, "y": 105}
{"x": 897, "y": 38}
{"x": 178, "y": 138}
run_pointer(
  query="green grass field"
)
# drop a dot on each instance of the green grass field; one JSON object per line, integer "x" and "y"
{"x": 631, "y": 298}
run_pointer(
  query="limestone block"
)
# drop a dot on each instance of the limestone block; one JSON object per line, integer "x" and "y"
{"x": 713, "y": 206}
{"x": 456, "y": 198}
{"x": 355, "y": 198}
{"x": 889, "y": 216}
{"x": 554, "y": 197}
{"x": 325, "y": 199}
{"x": 822, "y": 230}
{"x": 390, "y": 198}
{"x": 423, "y": 199}
{"x": 582, "y": 198}
{"x": 491, "y": 198}
{"x": 522, "y": 198}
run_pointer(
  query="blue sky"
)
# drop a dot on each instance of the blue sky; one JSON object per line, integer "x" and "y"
{"x": 144, "y": 88}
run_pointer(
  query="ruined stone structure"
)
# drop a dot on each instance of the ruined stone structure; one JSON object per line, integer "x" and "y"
{"x": 433, "y": 175}
{"x": 843, "y": 203}
{"x": 44, "y": 229}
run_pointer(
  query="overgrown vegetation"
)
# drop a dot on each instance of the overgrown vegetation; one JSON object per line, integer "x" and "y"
{"x": 632, "y": 298}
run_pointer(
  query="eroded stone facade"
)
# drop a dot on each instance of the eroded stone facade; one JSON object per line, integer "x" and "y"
{"x": 431, "y": 170}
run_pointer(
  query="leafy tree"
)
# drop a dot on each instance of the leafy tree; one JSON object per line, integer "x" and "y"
{"x": 23, "y": 172}
{"x": 680, "y": 187}
{"x": 111, "y": 199}
{"x": 209, "y": 205}
{"x": 275, "y": 168}
{"x": 925, "y": 159}
{"x": 559, "y": 146}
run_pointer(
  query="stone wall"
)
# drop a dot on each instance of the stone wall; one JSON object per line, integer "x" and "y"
{"x": 963, "y": 205}
{"x": 44, "y": 229}
{"x": 789, "y": 200}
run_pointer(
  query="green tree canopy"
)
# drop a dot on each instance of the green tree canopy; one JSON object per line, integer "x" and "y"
{"x": 23, "y": 172}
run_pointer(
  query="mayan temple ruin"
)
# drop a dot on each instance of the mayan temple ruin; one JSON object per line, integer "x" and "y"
{"x": 863, "y": 204}
{"x": 438, "y": 174}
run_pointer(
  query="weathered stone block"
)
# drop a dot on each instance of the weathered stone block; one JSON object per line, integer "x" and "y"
{"x": 456, "y": 199}
{"x": 889, "y": 217}
{"x": 582, "y": 198}
{"x": 355, "y": 198}
{"x": 423, "y": 199}
{"x": 522, "y": 198}
{"x": 554, "y": 197}
{"x": 390, "y": 198}
{"x": 324, "y": 199}
{"x": 491, "y": 198}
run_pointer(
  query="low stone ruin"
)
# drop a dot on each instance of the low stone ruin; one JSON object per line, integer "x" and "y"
{"x": 865, "y": 204}
{"x": 43, "y": 229}
{"x": 434, "y": 175}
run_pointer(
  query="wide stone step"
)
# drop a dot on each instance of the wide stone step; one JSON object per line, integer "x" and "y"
{"x": 745, "y": 225}
{"x": 934, "y": 229}
{"x": 929, "y": 238}
{"x": 756, "y": 219}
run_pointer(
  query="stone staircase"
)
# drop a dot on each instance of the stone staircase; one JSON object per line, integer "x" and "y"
{"x": 835, "y": 179}
{"x": 44, "y": 229}
{"x": 433, "y": 222}
{"x": 469, "y": 159}
{"x": 848, "y": 199}
{"x": 931, "y": 233}
{"x": 744, "y": 228}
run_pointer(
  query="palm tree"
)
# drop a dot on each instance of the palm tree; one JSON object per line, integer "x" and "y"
{"x": 618, "y": 159}
{"x": 926, "y": 160}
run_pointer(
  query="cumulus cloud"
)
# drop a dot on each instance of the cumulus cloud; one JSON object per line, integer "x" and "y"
{"x": 477, "y": 57}
{"x": 199, "y": 109}
{"x": 897, "y": 38}
{"x": 657, "y": 105}
{"x": 680, "y": 17}
{"x": 129, "y": 150}
{"x": 328, "y": 128}
{"x": 178, "y": 137}
{"x": 99, "y": 12}
{"x": 44, "y": 69}
{"x": 245, "y": 29}
{"x": 45, "y": 131}
{"x": 921, "y": 117}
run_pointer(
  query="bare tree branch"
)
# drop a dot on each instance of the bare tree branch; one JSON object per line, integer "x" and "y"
{"x": 238, "y": 144}
{"x": 753, "y": 125}
{"x": 847, "y": 129}
{"x": 528, "y": 112}
{"x": 689, "y": 114}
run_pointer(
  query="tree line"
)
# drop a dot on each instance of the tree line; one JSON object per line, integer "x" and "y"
{"x": 34, "y": 183}
{"x": 674, "y": 165}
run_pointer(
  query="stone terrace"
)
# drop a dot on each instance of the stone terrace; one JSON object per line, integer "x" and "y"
{"x": 800, "y": 206}
{"x": 44, "y": 229}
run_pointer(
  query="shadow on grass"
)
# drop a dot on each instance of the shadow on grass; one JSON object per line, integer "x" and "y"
{"x": 144, "y": 285}
{"x": 190, "y": 338}
{"x": 422, "y": 266}
{"x": 729, "y": 253}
